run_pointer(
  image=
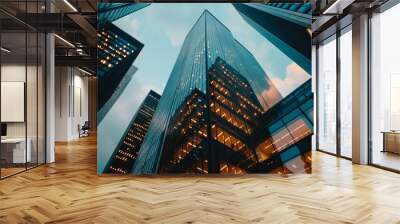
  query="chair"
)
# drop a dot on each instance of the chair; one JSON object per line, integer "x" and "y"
{"x": 84, "y": 130}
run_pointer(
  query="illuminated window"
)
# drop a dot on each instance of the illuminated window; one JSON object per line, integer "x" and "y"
{"x": 281, "y": 136}
{"x": 265, "y": 149}
{"x": 226, "y": 168}
{"x": 232, "y": 142}
{"x": 298, "y": 129}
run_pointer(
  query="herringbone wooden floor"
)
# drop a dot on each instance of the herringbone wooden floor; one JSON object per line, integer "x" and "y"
{"x": 69, "y": 191}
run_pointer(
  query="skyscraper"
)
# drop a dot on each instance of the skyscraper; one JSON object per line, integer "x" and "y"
{"x": 286, "y": 25}
{"x": 241, "y": 138}
{"x": 282, "y": 140}
{"x": 116, "y": 52}
{"x": 232, "y": 115}
{"x": 109, "y": 12}
{"x": 126, "y": 151}
{"x": 207, "y": 40}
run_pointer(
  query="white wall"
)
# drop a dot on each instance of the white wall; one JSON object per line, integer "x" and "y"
{"x": 17, "y": 72}
{"x": 14, "y": 72}
{"x": 71, "y": 102}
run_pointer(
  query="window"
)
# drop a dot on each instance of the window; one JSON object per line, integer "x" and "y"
{"x": 385, "y": 89}
{"x": 327, "y": 96}
{"x": 346, "y": 93}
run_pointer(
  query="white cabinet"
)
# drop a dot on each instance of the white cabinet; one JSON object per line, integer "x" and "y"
{"x": 17, "y": 146}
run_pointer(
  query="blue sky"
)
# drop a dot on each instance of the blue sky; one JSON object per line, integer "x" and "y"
{"x": 162, "y": 28}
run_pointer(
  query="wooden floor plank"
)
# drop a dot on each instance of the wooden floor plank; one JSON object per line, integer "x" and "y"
{"x": 70, "y": 191}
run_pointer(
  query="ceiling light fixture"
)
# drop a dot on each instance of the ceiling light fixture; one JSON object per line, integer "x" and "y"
{"x": 333, "y": 6}
{"x": 84, "y": 71}
{"x": 70, "y": 5}
{"x": 5, "y": 50}
{"x": 64, "y": 40}
{"x": 337, "y": 7}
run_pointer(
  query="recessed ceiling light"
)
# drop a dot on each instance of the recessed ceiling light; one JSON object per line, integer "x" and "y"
{"x": 84, "y": 71}
{"x": 64, "y": 40}
{"x": 337, "y": 7}
{"x": 70, "y": 5}
{"x": 5, "y": 50}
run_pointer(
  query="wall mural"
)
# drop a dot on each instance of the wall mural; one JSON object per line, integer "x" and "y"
{"x": 204, "y": 88}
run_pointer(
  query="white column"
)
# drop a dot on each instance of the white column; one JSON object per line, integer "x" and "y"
{"x": 63, "y": 99}
{"x": 314, "y": 90}
{"x": 360, "y": 90}
{"x": 50, "y": 98}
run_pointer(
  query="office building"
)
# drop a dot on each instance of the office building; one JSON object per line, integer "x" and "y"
{"x": 286, "y": 25}
{"x": 125, "y": 153}
{"x": 242, "y": 138}
{"x": 283, "y": 136}
{"x": 109, "y": 12}
{"x": 116, "y": 53}
{"x": 199, "y": 52}
{"x": 232, "y": 114}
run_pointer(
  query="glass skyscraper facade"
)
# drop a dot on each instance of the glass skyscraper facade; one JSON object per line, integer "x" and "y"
{"x": 207, "y": 40}
{"x": 126, "y": 151}
{"x": 286, "y": 25}
{"x": 109, "y": 12}
{"x": 231, "y": 110}
{"x": 304, "y": 8}
{"x": 283, "y": 136}
{"x": 116, "y": 52}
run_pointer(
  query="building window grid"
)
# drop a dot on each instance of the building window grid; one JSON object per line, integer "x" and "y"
{"x": 128, "y": 148}
{"x": 289, "y": 132}
{"x": 112, "y": 50}
{"x": 233, "y": 107}
{"x": 227, "y": 139}
{"x": 190, "y": 68}
{"x": 228, "y": 116}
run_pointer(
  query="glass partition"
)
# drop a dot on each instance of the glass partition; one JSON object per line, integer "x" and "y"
{"x": 13, "y": 105}
{"x": 22, "y": 89}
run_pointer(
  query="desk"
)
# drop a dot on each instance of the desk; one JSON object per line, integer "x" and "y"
{"x": 391, "y": 141}
{"x": 13, "y": 150}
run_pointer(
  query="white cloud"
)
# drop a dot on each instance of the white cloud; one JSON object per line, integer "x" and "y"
{"x": 131, "y": 26}
{"x": 270, "y": 96}
{"x": 174, "y": 26}
{"x": 134, "y": 26}
{"x": 176, "y": 36}
{"x": 259, "y": 49}
{"x": 295, "y": 76}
